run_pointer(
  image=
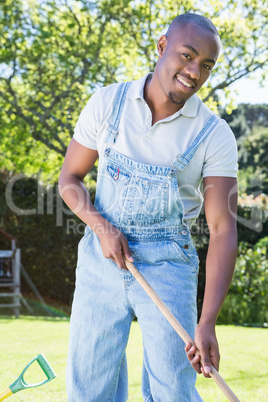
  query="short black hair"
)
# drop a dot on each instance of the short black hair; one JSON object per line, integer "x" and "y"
{"x": 191, "y": 18}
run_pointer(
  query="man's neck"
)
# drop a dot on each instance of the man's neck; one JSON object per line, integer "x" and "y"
{"x": 160, "y": 108}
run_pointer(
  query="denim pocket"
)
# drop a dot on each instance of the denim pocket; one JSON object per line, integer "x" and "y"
{"x": 146, "y": 201}
{"x": 118, "y": 174}
{"x": 84, "y": 248}
{"x": 111, "y": 190}
{"x": 88, "y": 232}
{"x": 87, "y": 235}
{"x": 186, "y": 253}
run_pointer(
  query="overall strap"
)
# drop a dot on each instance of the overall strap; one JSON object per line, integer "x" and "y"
{"x": 120, "y": 99}
{"x": 183, "y": 160}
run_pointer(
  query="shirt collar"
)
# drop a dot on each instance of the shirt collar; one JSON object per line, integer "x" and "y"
{"x": 136, "y": 89}
{"x": 189, "y": 109}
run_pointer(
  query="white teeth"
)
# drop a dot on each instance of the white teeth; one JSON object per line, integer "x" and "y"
{"x": 183, "y": 82}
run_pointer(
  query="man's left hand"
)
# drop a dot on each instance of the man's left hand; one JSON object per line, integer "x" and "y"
{"x": 206, "y": 346}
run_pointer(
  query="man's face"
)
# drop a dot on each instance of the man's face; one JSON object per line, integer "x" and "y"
{"x": 186, "y": 58}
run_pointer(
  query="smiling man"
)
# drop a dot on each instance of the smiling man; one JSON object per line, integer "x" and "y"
{"x": 157, "y": 143}
{"x": 187, "y": 54}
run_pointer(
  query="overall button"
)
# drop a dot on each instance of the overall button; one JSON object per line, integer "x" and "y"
{"x": 171, "y": 173}
{"x": 184, "y": 232}
{"x": 107, "y": 151}
{"x": 185, "y": 246}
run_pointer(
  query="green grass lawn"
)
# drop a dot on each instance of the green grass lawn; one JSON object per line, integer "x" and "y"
{"x": 244, "y": 362}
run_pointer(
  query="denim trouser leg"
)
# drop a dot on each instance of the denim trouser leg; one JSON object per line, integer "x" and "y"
{"x": 167, "y": 373}
{"x": 105, "y": 301}
{"x": 143, "y": 201}
{"x": 99, "y": 330}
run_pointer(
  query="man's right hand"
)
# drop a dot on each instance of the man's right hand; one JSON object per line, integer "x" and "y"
{"x": 115, "y": 245}
{"x": 78, "y": 161}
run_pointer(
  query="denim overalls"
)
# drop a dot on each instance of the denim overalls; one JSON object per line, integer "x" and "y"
{"x": 144, "y": 202}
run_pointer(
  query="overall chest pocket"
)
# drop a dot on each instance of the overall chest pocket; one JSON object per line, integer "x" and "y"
{"x": 111, "y": 190}
{"x": 145, "y": 202}
{"x": 118, "y": 174}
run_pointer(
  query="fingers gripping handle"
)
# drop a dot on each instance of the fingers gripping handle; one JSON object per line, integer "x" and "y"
{"x": 178, "y": 327}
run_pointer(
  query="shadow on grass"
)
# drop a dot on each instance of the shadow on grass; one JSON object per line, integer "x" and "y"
{"x": 9, "y": 318}
{"x": 38, "y": 310}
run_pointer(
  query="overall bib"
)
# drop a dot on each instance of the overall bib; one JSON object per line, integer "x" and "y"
{"x": 144, "y": 202}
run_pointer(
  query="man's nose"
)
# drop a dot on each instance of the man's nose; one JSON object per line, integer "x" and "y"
{"x": 193, "y": 70}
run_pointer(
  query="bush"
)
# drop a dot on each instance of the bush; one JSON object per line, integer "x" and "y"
{"x": 48, "y": 240}
{"x": 247, "y": 301}
{"x": 48, "y": 246}
{"x": 251, "y": 227}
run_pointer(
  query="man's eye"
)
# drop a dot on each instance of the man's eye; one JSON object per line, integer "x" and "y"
{"x": 207, "y": 67}
{"x": 187, "y": 56}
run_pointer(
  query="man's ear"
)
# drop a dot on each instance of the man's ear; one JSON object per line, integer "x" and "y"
{"x": 161, "y": 45}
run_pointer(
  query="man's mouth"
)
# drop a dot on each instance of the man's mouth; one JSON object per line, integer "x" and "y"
{"x": 185, "y": 83}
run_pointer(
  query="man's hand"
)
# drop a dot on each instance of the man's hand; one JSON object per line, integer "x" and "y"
{"x": 220, "y": 201}
{"x": 115, "y": 245}
{"x": 206, "y": 346}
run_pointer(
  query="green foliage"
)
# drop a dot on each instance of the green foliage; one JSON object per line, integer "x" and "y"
{"x": 253, "y": 180}
{"x": 47, "y": 236}
{"x": 245, "y": 117}
{"x": 254, "y": 148}
{"x": 247, "y": 301}
{"x": 252, "y": 226}
{"x": 250, "y": 126}
{"x": 55, "y": 53}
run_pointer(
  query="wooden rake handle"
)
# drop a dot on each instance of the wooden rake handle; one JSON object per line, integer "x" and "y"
{"x": 178, "y": 328}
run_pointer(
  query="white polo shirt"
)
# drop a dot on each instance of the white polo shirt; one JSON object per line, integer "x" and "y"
{"x": 161, "y": 143}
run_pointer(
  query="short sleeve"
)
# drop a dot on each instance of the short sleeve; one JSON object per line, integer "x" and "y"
{"x": 221, "y": 153}
{"x": 85, "y": 131}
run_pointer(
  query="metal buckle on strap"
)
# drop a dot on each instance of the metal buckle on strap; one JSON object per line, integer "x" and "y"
{"x": 181, "y": 159}
{"x": 113, "y": 130}
{"x": 113, "y": 133}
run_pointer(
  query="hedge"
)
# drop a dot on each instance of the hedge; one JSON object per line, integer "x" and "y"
{"x": 48, "y": 239}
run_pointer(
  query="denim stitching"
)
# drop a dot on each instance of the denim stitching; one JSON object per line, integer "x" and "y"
{"x": 120, "y": 99}
{"x": 138, "y": 166}
{"x": 128, "y": 281}
{"x": 114, "y": 383}
{"x": 139, "y": 217}
{"x": 171, "y": 229}
{"x": 110, "y": 137}
{"x": 181, "y": 161}
{"x": 149, "y": 399}
{"x": 183, "y": 255}
{"x": 209, "y": 125}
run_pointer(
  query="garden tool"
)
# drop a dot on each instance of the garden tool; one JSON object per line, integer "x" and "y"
{"x": 20, "y": 384}
{"x": 178, "y": 327}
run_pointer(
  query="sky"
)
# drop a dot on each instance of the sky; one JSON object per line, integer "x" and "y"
{"x": 249, "y": 91}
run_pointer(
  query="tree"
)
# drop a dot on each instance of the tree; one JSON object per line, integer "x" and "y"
{"x": 249, "y": 124}
{"x": 246, "y": 302}
{"x": 55, "y": 53}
